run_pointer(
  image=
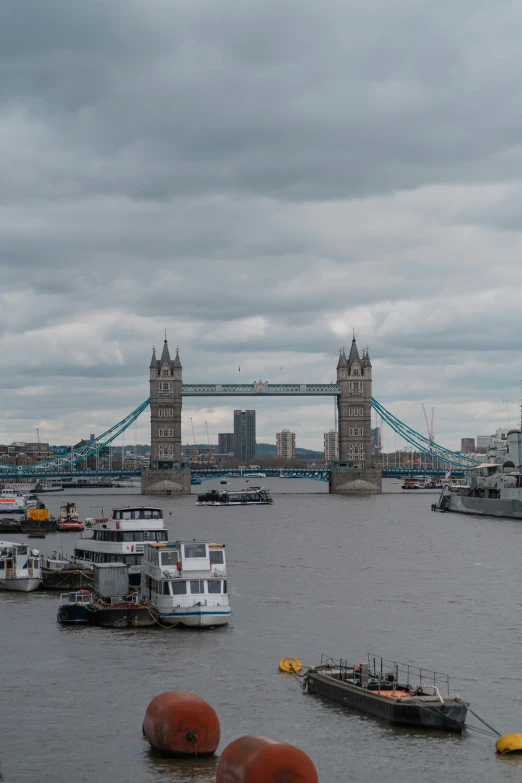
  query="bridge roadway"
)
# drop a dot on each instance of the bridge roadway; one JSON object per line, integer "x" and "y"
{"x": 319, "y": 474}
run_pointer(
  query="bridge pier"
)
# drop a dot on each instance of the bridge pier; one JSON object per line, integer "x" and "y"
{"x": 165, "y": 482}
{"x": 355, "y": 481}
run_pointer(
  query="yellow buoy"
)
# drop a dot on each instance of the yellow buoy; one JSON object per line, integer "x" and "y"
{"x": 509, "y": 743}
{"x": 290, "y": 665}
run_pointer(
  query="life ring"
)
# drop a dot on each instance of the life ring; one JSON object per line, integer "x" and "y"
{"x": 357, "y": 668}
{"x": 117, "y": 525}
{"x": 178, "y": 565}
{"x": 132, "y": 548}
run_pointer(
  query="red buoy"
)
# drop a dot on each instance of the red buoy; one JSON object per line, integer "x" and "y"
{"x": 258, "y": 759}
{"x": 179, "y": 723}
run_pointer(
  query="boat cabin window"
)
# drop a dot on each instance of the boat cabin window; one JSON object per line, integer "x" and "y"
{"x": 166, "y": 590}
{"x": 138, "y": 513}
{"x": 169, "y": 558}
{"x": 214, "y": 585}
{"x": 178, "y": 588}
{"x": 217, "y": 556}
{"x": 2, "y": 565}
{"x": 195, "y": 550}
{"x": 197, "y": 586}
{"x": 132, "y": 536}
{"x": 156, "y": 535}
{"x": 153, "y": 556}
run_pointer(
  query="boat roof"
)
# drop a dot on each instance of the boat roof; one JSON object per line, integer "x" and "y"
{"x": 174, "y": 544}
{"x": 11, "y": 543}
{"x": 138, "y": 508}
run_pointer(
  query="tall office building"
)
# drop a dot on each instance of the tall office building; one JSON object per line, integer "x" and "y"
{"x": 467, "y": 445}
{"x": 244, "y": 435}
{"x": 331, "y": 446}
{"x": 225, "y": 443}
{"x": 285, "y": 444}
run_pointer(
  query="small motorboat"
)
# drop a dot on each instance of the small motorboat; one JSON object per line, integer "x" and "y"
{"x": 76, "y": 608}
{"x": 36, "y": 535}
{"x": 223, "y": 481}
{"x": 68, "y": 521}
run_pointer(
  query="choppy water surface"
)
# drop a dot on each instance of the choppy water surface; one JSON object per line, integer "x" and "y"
{"x": 313, "y": 573}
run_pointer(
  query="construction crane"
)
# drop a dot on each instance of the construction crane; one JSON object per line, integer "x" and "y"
{"x": 208, "y": 441}
{"x": 429, "y": 425}
{"x": 195, "y": 457}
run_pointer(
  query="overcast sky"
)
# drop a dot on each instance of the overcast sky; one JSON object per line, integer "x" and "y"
{"x": 259, "y": 178}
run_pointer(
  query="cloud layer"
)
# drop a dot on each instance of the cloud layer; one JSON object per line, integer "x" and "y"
{"x": 259, "y": 178}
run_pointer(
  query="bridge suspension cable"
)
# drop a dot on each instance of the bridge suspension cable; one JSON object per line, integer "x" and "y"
{"x": 421, "y": 443}
{"x": 86, "y": 450}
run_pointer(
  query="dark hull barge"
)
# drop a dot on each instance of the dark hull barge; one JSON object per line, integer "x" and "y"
{"x": 398, "y": 693}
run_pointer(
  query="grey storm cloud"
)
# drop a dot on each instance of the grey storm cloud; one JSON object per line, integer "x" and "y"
{"x": 260, "y": 178}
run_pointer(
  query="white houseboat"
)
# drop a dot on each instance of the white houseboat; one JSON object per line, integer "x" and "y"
{"x": 184, "y": 583}
{"x": 19, "y": 567}
{"x": 121, "y": 539}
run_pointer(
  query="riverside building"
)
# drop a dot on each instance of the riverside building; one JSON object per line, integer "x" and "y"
{"x": 285, "y": 444}
{"x": 331, "y": 446}
{"x": 244, "y": 435}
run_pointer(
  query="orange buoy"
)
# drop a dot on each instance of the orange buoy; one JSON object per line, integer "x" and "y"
{"x": 258, "y": 759}
{"x": 179, "y": 723}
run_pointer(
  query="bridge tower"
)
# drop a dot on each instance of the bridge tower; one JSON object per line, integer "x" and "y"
{"x": 355, "y": 473}
{"x": 166, "y": 474}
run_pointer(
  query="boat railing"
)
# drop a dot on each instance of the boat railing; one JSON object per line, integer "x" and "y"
{"x": 382, "y": 670}
{"x": 405, "y": 674}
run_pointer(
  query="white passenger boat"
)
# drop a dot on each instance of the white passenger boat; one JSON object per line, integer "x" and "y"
{"x": 19, "y": 567}
{"x": 12, "y": 502}
{"x": 121, "y": 539}
{"x": 255, "y": 496}
{"x": 184, "y": 583}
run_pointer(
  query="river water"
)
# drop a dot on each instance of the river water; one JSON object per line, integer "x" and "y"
{"x": 312, "y": 573}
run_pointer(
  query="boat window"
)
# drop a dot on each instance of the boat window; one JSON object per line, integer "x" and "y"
{"x": 217, "y": 556}
{"x": 169, "y": 558}
{"x": 197, "y": 586}
{"x": 2, "y": 565}
{"x": 214, "y": 585}
{"x": 195, "y": 550}
{"x": 117, "y": 515}
{"x": 136, "y": 535}
{"x": 178, "y": 588}
{"x": 130, "y": 559}
{"x": 166, "y": 590}
{"x": 72, "y": 598}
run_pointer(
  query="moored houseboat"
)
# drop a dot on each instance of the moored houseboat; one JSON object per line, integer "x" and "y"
{"x": 113, "y": 605}
{"x": 19, "y": 567}
{"x": 395, "y": 692}
{"x": 254, "y": 496}
{"x": 60, "y": 572}
{"x": 121, "y": 539}
{"x": 184, "y": 583}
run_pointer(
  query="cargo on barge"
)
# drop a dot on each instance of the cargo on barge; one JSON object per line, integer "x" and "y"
{"x": 396, "y": 692}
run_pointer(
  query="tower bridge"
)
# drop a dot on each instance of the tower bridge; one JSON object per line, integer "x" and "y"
{"x": 355, "y": 472}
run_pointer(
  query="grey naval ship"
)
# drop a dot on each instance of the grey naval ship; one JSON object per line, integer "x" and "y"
{"x": 494, "y": 488}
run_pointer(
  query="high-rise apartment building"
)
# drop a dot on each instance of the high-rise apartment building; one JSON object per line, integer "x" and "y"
{"x": 225, "y": 443}
{"x": 244, "y": 435}
{"x": 285, "y": 444}
{"x": 484, "y": 442}
{"x": 331, "y": 446}
{"x": 467, "y": 445}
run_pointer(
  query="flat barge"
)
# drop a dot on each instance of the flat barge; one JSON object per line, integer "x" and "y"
{"x": 398, "y": 693}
